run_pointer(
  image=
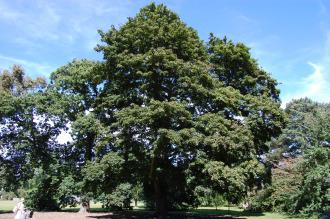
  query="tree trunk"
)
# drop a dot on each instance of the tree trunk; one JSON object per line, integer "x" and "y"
{"x": 160, "y": 199}
{"x": 84, "y": 207}
{"x": 89, "y": 146}
{"x": 135, "y": 202}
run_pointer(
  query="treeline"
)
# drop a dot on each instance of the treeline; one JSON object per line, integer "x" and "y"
{"x": 165, "y": 118}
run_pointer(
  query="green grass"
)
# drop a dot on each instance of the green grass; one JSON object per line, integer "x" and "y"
{"x": 7, "y": 206}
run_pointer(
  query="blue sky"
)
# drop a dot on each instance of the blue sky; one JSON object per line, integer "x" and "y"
{"x": 289, "y": 38}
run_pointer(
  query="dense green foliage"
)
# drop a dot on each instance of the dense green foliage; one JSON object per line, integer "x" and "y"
{"x": 43, "y": 191}
{"x": 301, "y": 178}
{"x": 29, "y": 128}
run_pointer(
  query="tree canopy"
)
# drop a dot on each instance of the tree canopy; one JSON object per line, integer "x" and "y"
{"x": 180, "y": 117}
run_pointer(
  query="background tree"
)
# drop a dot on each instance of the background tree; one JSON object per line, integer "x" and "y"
{"x": 78, "y": 86}
{"x": 297, "y": 136}
{"x": 314, "y": 191}
{"x": 301, "y": 168}
{"x": 19, "y": 128}
{"x": 28, "y": 130}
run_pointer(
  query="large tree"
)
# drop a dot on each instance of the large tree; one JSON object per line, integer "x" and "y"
{"x": 186, "y": 114}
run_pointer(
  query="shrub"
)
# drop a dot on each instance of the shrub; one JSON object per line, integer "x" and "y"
{"x": 22, "y": 193}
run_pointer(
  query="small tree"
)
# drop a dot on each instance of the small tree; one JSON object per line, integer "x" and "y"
{"x": 120, "y": 198}
{"x": 218, "y": 200}
{"x": 137, "y": 192}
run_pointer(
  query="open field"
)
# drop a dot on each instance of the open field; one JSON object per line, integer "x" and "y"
{"x": 205, "y": 212}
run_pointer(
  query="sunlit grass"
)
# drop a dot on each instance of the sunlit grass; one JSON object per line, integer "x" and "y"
{"x": 6, "y": 206}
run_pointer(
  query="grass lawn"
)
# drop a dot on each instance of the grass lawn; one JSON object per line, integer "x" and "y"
{"x": 7, "y": 206}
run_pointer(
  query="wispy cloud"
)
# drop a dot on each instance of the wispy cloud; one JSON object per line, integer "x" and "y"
{"x": 317, "y": 84}
{"x": 55, "y": 31}
{"x": 34, "y": 69}
{"x": 38, "y": 22}
{"x": 323, "y": 8}
{"x": 7, "y": 14}
{"x": 61, "y": 22}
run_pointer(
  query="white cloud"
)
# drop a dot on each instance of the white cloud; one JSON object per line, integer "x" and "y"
{"x": 315, "y": 86}
{"x": 314, "y": 83}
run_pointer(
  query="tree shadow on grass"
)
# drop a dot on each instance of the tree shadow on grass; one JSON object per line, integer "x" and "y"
{"x": 190, "y": 214}
{"x": 231, "y": 212}
{"x": 171, "y": 215}
{"x": 5, "y": 211}
{"x": 92, "y": 210}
